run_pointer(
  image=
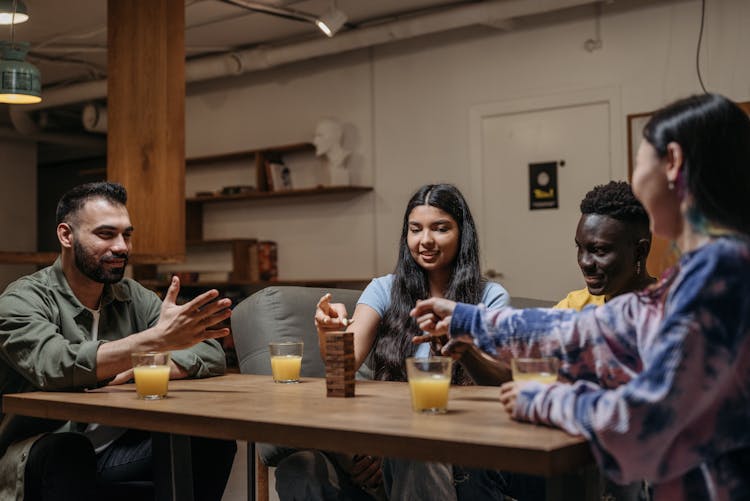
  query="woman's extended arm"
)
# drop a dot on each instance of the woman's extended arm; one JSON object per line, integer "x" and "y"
{"x": 689, "y": 401}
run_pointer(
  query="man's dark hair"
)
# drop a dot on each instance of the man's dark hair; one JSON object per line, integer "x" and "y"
{"x": 616, "y": 200}
{"x": 72, "y": 201}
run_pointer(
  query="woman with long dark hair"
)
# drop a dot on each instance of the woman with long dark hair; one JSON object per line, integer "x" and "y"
{"x": 438, "y": 257}
{"x": 671, "y": 397}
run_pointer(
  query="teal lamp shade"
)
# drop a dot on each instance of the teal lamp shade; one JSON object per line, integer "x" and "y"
{"x": 6, "y": 12}
{"x": 20, "y": 82}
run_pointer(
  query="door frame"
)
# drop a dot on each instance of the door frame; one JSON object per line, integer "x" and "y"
{"x": 609, "y": 95}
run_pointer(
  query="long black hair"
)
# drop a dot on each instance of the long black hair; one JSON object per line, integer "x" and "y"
{"x": 410, "y": 283}
{"x": 714, "y": 134}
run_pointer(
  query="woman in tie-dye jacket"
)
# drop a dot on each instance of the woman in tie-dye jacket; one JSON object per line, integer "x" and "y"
{"x": 662, "y": 386}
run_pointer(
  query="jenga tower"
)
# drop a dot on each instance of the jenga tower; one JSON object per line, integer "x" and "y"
{"x": 340, "y": 364}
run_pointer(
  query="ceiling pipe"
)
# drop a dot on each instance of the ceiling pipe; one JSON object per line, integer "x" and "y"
{"x": 262, "y": 58}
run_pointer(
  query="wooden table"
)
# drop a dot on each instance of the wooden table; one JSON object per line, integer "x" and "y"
{"x": 378, "y": 421}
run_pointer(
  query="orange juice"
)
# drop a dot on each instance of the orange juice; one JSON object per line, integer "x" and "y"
{"x": 539, "y": 377}
{"x": 430, "y": 393}
{"x": 151, "y": 381}
{"x": 286, "y": 368}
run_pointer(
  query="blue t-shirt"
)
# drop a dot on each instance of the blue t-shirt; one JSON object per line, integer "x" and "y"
{"x": 377, "y": 296}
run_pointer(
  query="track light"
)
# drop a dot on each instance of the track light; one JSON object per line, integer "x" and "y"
{"x": 329, "y": 23}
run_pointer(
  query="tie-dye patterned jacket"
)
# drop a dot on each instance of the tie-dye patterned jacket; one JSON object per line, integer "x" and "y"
{"x": 662, "y": 385}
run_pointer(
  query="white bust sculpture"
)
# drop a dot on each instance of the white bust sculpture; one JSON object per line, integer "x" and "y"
{"x": 327, "y": 141}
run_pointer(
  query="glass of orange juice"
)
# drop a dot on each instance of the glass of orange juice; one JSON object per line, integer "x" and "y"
{"x": 286, "y": 361}
{"x": 541, "y": 370}
{"x": 151, "y": 372}
{"x": 429, "y": 381}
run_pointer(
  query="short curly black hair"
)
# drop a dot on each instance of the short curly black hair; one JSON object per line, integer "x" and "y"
{"x": 616, "y": 200}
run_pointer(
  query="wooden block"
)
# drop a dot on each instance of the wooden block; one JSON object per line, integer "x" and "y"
{"x": 340, "y": 392}
{"x": 339, "y": 363}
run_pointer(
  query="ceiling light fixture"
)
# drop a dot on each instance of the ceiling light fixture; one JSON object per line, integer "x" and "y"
{"x": 20, "y": 82}
{"x": 329, "y": 23}
{"x": 13, "y": 15}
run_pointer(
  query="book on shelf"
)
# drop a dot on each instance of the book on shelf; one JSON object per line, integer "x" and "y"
{"x": 279, "y": 176}
{"x": 268, "y": 261}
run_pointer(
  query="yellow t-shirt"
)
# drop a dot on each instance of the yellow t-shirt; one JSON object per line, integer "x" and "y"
{"x": 578, "y": 299}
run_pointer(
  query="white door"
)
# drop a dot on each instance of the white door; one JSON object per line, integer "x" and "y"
{"x": 534, "y": 251}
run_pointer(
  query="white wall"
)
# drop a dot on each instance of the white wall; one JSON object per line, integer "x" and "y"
{"x": 409, "y": 103}
{"x": 17, "y": 204}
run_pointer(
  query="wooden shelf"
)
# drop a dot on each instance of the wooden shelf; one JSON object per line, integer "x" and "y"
{"x": 334, "y": 282}
{"x": 238, "y": 155}
{"x": 38, "y": 258}
{"x": 264, "y": 195}
{"x": 217, "y": 242}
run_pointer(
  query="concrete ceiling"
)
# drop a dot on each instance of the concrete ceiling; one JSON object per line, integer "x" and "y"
{"x": 69, "y": 37}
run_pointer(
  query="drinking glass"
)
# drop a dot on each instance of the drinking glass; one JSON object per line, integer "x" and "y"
{"x": 151, "y": 373}
{"x": 541, "y": 369}
{"x": 429, "y": 381}
{"x": 286, "y": 361}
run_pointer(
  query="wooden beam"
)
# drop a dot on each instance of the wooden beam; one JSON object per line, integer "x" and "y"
{"x": 146, "y": 130}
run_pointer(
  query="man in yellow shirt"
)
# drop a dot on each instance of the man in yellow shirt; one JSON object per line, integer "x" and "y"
{"x": 613, "y": 240}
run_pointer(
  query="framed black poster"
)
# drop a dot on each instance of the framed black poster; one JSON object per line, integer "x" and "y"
{"x": 543, "y": 186}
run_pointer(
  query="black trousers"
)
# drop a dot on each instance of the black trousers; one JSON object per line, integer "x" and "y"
{"x": 64, "y": 467}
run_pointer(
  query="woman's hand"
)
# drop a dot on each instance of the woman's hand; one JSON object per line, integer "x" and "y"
{"x": 330, "y": 316}
{"x": 508, "y": 396}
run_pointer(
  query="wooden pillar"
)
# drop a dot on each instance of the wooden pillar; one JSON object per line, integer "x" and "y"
{"x": 146, "y": 115}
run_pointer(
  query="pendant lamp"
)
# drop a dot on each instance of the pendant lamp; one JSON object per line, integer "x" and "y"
{"x": 10, "y": 14}
{"x": 20, "y": 82}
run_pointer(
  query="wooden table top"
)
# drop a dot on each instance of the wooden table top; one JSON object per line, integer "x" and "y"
{"x": 378, "y": 421}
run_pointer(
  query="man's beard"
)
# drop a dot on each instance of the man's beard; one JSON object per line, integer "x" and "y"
{"x": 94, "y": 269}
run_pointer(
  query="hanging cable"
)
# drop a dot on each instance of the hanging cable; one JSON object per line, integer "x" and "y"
{"x": 698, "y": 51}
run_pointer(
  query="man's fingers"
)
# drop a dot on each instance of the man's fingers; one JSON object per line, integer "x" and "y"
{"x": 215, "y": 333}
{"x": 122, "y": 377}
{"x": 201, "y": 301}
{"x": 215, "y": 318}
{"x": 174, "y": 289}
{"x": 364, "y": 469}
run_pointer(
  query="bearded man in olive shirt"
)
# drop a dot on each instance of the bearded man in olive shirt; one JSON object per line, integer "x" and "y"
{"x": 73, "y": 326}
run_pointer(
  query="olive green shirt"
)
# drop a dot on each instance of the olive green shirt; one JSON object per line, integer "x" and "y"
{"x": 46, "y": 344}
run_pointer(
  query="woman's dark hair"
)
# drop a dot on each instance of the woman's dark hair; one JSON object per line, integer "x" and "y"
{"x": 714, "y": 134}
{"x": 393, "y": 343}
{"x": 74, "y": 200}
{"x": 616, "y": 200}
